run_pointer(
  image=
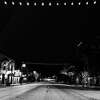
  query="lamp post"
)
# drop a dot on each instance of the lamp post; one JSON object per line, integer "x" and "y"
{"x": 22, "y": 67}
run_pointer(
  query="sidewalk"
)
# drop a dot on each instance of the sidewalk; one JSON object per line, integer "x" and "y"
{"x": 3, "y": 86}
{"x": 91, "y": 94}
{"x": 80, "y": 87}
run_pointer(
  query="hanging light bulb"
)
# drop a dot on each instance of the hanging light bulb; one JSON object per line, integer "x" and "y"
{"x": 72, "y": 3}
{"x": 57, "y": 3}
{"x": 64, "y": 3}
{"x": 79, "y": 3}
{"x": 13, "y": 3}
{"x": 49, "y": 3}
{"x": 94, "y": 2}
{"x": 20, "y": 3}
{"x": 42, "y": 3}
{"x": 34, "y": 3}
{"x": 87, "y": 3}
{"x": 27, "y": 4}
{"x": 5, "y": 2}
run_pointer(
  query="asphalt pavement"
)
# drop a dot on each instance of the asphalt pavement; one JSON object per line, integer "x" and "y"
{"x": 39, "y": 91}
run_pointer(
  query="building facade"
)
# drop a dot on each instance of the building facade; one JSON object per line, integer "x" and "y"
{"x": 8, "y": 74}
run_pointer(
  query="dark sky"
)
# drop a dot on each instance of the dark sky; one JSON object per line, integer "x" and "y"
{"x": 43, "y": 34}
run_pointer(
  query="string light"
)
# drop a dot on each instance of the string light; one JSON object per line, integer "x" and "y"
{"x": 5, "y": 2}
{"x": 72, "y": 3}
{"x": 49, "y": 3}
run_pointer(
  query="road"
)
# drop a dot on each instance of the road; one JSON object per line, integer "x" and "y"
{"x": 40, "y": 92}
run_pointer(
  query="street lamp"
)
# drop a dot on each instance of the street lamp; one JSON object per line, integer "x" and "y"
{"x": 23, "y": 68}
{"x": 36, "y": 74}
{"x": 23, "y": 65}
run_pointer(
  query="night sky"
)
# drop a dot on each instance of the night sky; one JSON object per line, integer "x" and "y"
{"x": 46, "y": 34}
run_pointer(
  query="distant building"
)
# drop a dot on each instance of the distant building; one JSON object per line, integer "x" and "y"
{"x": 8, "y": 74}
{"x": 7, "y": 71}
{"x": 17, "y": 75}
